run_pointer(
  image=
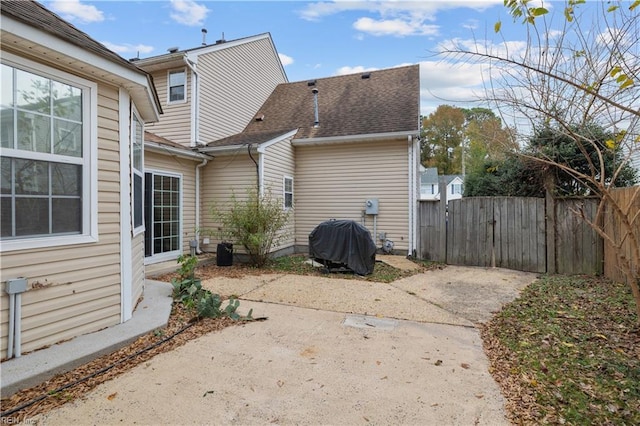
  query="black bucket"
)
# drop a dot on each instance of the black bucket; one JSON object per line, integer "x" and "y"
{"x": 224, "y": 254}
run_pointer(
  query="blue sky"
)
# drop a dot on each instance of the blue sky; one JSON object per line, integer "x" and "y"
{"x": 314, "y": 39}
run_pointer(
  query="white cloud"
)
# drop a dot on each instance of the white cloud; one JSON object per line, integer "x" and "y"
{"x": 393, "y": 18}
{"x": 73, "y": 10}
{"x": 353, "y": 70}
{"x": 395, "y": 27}
{"x": 128, "y": 48}
{"x": 416, "y": 8}
{"x": 188, "y": 12}
{"x": 285, "y": 59}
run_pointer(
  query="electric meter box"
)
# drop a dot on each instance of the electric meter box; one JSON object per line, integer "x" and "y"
{"x": 371, "y": 206}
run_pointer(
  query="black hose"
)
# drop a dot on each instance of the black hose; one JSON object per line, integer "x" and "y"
{"x": 94, "y": 374}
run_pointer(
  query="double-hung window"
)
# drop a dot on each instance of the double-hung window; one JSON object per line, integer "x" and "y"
{"x": 287, "y": 192}
{"x": 177, "y": 84}
{"x": 137, "y": 147}
{"x": 47, "y": 156}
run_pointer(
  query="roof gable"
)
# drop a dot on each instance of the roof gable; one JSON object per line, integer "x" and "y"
{"x": 377, "y": 102}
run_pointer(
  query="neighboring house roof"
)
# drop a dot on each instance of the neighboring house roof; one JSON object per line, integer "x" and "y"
{"x": 33, "y": 14}
{"x": 372, "y": 103}
{"x": 429, "y": 176}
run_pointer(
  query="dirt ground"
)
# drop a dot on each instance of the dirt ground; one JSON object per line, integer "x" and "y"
{"x": 331, "y": 352}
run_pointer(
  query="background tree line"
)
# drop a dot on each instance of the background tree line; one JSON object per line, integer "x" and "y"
{"x": 474, "y": 142}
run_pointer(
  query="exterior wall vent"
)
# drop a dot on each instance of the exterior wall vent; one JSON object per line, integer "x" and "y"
{"x": 172, "y": 49}
{"x": 366, "y": 75}
{"x": 260, "y": 117}
{"x": 311, "y": 83}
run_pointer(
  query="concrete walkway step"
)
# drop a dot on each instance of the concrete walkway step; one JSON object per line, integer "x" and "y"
{"x": 399, "y": 262}
{"x": 38, "y": 366}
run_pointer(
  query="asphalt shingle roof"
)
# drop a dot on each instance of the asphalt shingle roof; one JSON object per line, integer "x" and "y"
{"x": 386, "y": 101}
{"x": 36, "y": 15}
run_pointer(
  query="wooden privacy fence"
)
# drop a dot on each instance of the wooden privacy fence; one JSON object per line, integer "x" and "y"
{"x": 629, "y": 200}
{"x": 527, "y": 234}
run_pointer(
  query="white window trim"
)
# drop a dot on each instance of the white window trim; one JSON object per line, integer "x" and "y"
{"x": 137, "y": 230}
{"x": 170, "y": 255}
{"x": 284, "y": 193}
{"x": 169, "y": 101}
{"x": 89, "y": 159}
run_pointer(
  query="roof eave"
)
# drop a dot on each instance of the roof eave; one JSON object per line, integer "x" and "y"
{"x": 85, "y": 62}
{"x": 370, "y": 137}
{"x": 165, "y": 149}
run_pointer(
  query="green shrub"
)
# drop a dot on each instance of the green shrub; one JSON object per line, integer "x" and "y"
{"x": 255, "y": 223}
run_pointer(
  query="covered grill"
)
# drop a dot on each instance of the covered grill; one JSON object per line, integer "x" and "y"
{"x": 343, "y": 244}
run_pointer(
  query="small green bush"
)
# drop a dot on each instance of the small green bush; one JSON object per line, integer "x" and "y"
{"x": 255, "y": 223}
{"x": 187, "y": 289}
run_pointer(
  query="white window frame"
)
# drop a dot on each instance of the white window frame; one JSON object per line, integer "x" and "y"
{"x": 135, "y": 172}
{"x": 169, "y": 255}
{"x": 88, "y": 161}
{"x": 184, "y": 99}
{"x": 285, "y": 192}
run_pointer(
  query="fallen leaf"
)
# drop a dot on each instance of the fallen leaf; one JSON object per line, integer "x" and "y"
{"x": 465, "y": 365}
{"x": 112, "y": 396}
{"x": 280, "y": 383}
{"x": 479, "y": 395}
{"x": 206, "y": 393}
{"x": 378, "y": 362}
{"x": 384, "y": 378}
{"x": 438, "y": 362}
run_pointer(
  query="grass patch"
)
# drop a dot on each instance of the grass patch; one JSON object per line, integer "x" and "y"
{"x": 297, "y": 264}
{"x": 568, "y": 352}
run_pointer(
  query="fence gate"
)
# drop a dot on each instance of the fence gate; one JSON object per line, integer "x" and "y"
{"x": 507, "y": 232}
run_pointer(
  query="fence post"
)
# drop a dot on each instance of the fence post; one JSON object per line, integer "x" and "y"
{"x": 550, "y": 219}
{"x": 442, "y": 225}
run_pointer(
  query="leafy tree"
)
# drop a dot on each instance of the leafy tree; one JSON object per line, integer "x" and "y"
{"x": 577, "y": 68}
{"x": 512, "y": 176}
{"x": 441, "y": 139}
{"x": 604, "y": 163}
{"x": 486, "y": 138}
{"x": 454, "y": 138}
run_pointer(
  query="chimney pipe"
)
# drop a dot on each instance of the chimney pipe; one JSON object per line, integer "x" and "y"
{"x": 316, "y": 122}
{"x": 204, "y": 36}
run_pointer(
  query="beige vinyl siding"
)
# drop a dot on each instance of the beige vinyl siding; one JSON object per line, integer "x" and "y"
{"x": 221, "y": 178}
{"x": 74, "y": 289}
{"x": 334, "y": 181}
{"x": 175, "y": 121}
{"x": 279, "y": 161}
{"x": 157, "y": 162}
{"x": 234, "y": 83}
{"x": 137, "y": 284}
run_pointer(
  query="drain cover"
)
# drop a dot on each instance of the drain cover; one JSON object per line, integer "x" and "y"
{"x": 363, "y": 321}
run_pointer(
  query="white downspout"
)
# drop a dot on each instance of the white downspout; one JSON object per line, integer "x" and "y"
{"x": 412, "y": 195}
{"x": 261, "y": 153}
{"x": 198, "y": 167}
{"x": 195, "y": 140}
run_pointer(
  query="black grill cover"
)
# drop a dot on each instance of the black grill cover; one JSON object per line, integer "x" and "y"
{"x": 346, "y": 242}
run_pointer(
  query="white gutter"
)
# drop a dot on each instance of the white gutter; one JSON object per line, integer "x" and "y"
{"x": 157, "y": 147}
{"x": 198, "y": 167}
{"x": 353, "y": 138}
{"x": 260, "y": 148}
{"x": 195, "y": 103}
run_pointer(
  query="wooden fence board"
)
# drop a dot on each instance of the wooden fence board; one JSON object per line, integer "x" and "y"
{"x": 629, "y": 200}
{"x": 430, "y": 232}
{"x": 579, "y": 249}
